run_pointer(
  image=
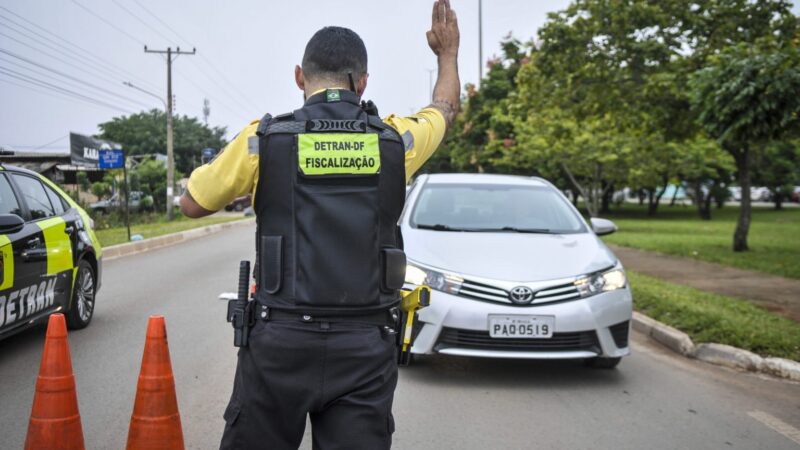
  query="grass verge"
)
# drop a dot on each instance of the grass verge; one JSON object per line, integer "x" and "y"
{"x": 774, "y": 236}
{"x": 119, "y": 235}
{"x": 716, "y": 318}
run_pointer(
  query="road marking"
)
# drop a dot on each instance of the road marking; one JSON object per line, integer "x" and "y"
{"x": 777, "y": 425}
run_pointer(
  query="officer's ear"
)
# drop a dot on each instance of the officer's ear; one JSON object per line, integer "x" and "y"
{"x": 299, "y": 78}
{"x": 362, "y": 85}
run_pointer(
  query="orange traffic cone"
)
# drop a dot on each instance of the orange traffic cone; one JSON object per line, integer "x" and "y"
{"x": 55, "y": 422}
{"x": 155, "y": 422}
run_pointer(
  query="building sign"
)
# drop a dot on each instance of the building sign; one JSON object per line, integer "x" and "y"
{"x": 111, "y": 159}
{"x": 85, "y": 150}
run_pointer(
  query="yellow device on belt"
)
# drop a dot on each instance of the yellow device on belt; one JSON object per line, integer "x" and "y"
{"x": 411, "y": 302}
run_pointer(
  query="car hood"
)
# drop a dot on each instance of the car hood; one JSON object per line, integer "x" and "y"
{"x": 508, "y": 256}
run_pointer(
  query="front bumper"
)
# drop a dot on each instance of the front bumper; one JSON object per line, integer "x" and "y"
{"x": 584, "y": 328}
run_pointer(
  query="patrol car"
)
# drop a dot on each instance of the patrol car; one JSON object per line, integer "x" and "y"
{"x": 50, "y": 258}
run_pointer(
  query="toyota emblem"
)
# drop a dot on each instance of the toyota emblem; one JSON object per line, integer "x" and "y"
{"x": 521, "y": 295}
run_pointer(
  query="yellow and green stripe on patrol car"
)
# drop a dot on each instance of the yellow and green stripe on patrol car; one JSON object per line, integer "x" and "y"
{"x": 24, "y": 295}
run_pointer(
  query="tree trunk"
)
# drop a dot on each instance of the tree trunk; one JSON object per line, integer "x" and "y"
{"x": 608, "y": 192}
{"x": 640, "y": 193}
{"x": 589, "y": 201}
{"x": 575, "y": 196}
{"x": 707, "y": 203}
{"x": 674, "y": 196}
{"x": 777, "y": 197}
{"x": 742, "y": 158}
{"x": 701, "y": 201}
{"x": 653, "y": 200}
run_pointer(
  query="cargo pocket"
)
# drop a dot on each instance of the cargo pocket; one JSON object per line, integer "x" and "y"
{"x": 232, "y": 413}
{"x": 231, "y": 437}
{"x": 393, "y": 264}
{"x": 271, "y": 266}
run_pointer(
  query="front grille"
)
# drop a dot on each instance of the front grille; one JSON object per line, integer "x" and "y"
{"x": 484, "y": 292}
{"x": 480, "y": 291}
{"x": 480, "y": 340}
{"x": 620, "y": 334}
{"x": 557, "y": 294}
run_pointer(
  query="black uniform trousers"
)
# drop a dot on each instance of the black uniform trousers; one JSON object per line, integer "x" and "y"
{"x": 342, "y": 375}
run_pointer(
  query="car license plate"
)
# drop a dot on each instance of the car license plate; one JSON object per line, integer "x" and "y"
{"x": 521, "y": 327}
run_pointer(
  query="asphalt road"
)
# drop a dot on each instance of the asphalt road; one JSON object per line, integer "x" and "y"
{"x": 654, "y": 400}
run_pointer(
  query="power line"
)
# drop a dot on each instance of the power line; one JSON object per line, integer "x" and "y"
{"x": 39, "y": 147}
{"x": 140, "y": 20}
{"x": 82, "y": 69}
{"x": 52, "y": 142}
{"x": 135, "y": 39}
{"x": 224, "y": 86}
{"x": 50, "y": 86}
{"x": 60, "y": 41}
{"x": 237, "y": 112}
{"x": 116, "y": 27}
{"x": 78, "y": 80}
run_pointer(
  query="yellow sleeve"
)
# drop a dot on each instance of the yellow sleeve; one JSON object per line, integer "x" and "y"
{"x": 233, "y": 173}
{"x": 422, "y": 133}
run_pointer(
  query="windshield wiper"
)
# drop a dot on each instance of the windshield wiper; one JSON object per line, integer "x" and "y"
{"x": 439, "y": 227}
{"x": 524, "y": 230}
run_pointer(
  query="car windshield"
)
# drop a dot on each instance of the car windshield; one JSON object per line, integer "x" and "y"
{"x": 492, "y": 207}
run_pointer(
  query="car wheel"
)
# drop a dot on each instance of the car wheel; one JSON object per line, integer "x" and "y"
{"x": 82, "y": 308}
{"x": 602, "y": 363}
{"x": 239, "y": 207}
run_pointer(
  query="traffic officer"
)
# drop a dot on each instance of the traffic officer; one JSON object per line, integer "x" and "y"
{"x": 328, "y": 184}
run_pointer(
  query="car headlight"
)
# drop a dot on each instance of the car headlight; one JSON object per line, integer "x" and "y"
{"x": 596, "y": 283}
{"x": 440, "y": 281}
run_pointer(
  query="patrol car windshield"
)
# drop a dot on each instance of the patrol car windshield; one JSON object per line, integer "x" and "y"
{"x": 494, "y": 208}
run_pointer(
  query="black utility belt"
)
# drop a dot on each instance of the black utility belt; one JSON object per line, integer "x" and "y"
{"x": 387, "y": 317}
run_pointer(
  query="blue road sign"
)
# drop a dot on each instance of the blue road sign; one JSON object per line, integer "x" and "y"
{"x": 111, "y": 159}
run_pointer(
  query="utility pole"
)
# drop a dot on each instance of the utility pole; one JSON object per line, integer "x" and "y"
{"x": 480, "y": 41}
{"x": 170, "y": 156}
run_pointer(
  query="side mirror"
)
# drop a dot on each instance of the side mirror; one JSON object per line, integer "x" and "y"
{"x": 10, "y": 223}
{"x": 602, "y": 227}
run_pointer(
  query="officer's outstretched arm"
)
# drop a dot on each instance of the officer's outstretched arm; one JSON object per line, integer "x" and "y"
{"x": 190, "y": 208}
{"x": 443, "y": 38}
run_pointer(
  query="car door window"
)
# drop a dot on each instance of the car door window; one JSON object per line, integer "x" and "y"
{"x": 55, "y": 200}
{"x": 8, "y": 201}
{"x": 35, "y": 196}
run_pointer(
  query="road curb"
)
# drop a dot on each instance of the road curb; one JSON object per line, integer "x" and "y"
{"x": 719, "y": 354}
{"x": 672, "y": 338}
{"x": 132, "y": 248}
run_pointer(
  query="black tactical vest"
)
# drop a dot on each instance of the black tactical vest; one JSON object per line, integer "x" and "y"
{"x": 331, "y": 187}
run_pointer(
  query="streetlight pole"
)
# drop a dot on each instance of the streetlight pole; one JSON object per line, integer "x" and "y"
{"x": 133, "y": 86}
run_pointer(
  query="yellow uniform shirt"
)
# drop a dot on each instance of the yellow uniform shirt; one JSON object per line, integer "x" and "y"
{"x": 234, "y": 173}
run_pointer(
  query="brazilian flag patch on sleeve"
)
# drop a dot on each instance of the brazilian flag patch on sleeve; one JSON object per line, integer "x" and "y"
{"x": 320, "y": 154}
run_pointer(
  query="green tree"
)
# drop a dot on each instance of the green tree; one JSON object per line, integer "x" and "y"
{"x": 476, "y": 141}
{"x": 101, "y": 189}
{"x": 778, "y": 168}
{"x": 747, "y": 97}
{"x": 146, "y": 133}
{"x": 151, "y": 178}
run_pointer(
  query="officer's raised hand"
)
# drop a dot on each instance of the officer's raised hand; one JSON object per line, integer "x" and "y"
{"x": 443, "y": 38}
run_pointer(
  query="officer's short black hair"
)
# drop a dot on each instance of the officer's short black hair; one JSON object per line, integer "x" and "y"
{"x": 333, "y": 52}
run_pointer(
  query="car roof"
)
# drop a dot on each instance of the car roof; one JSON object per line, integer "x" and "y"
{"x": 11, "y": 168}
{"x": 484, "y": 178}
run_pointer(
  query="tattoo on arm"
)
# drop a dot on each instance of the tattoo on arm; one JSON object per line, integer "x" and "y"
{"x": 447, "y": 108}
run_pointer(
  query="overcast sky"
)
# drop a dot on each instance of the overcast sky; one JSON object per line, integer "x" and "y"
{"x": 246, "y": 52}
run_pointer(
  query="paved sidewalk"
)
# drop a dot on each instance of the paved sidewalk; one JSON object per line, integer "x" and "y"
{"x": 777, "y": 294}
